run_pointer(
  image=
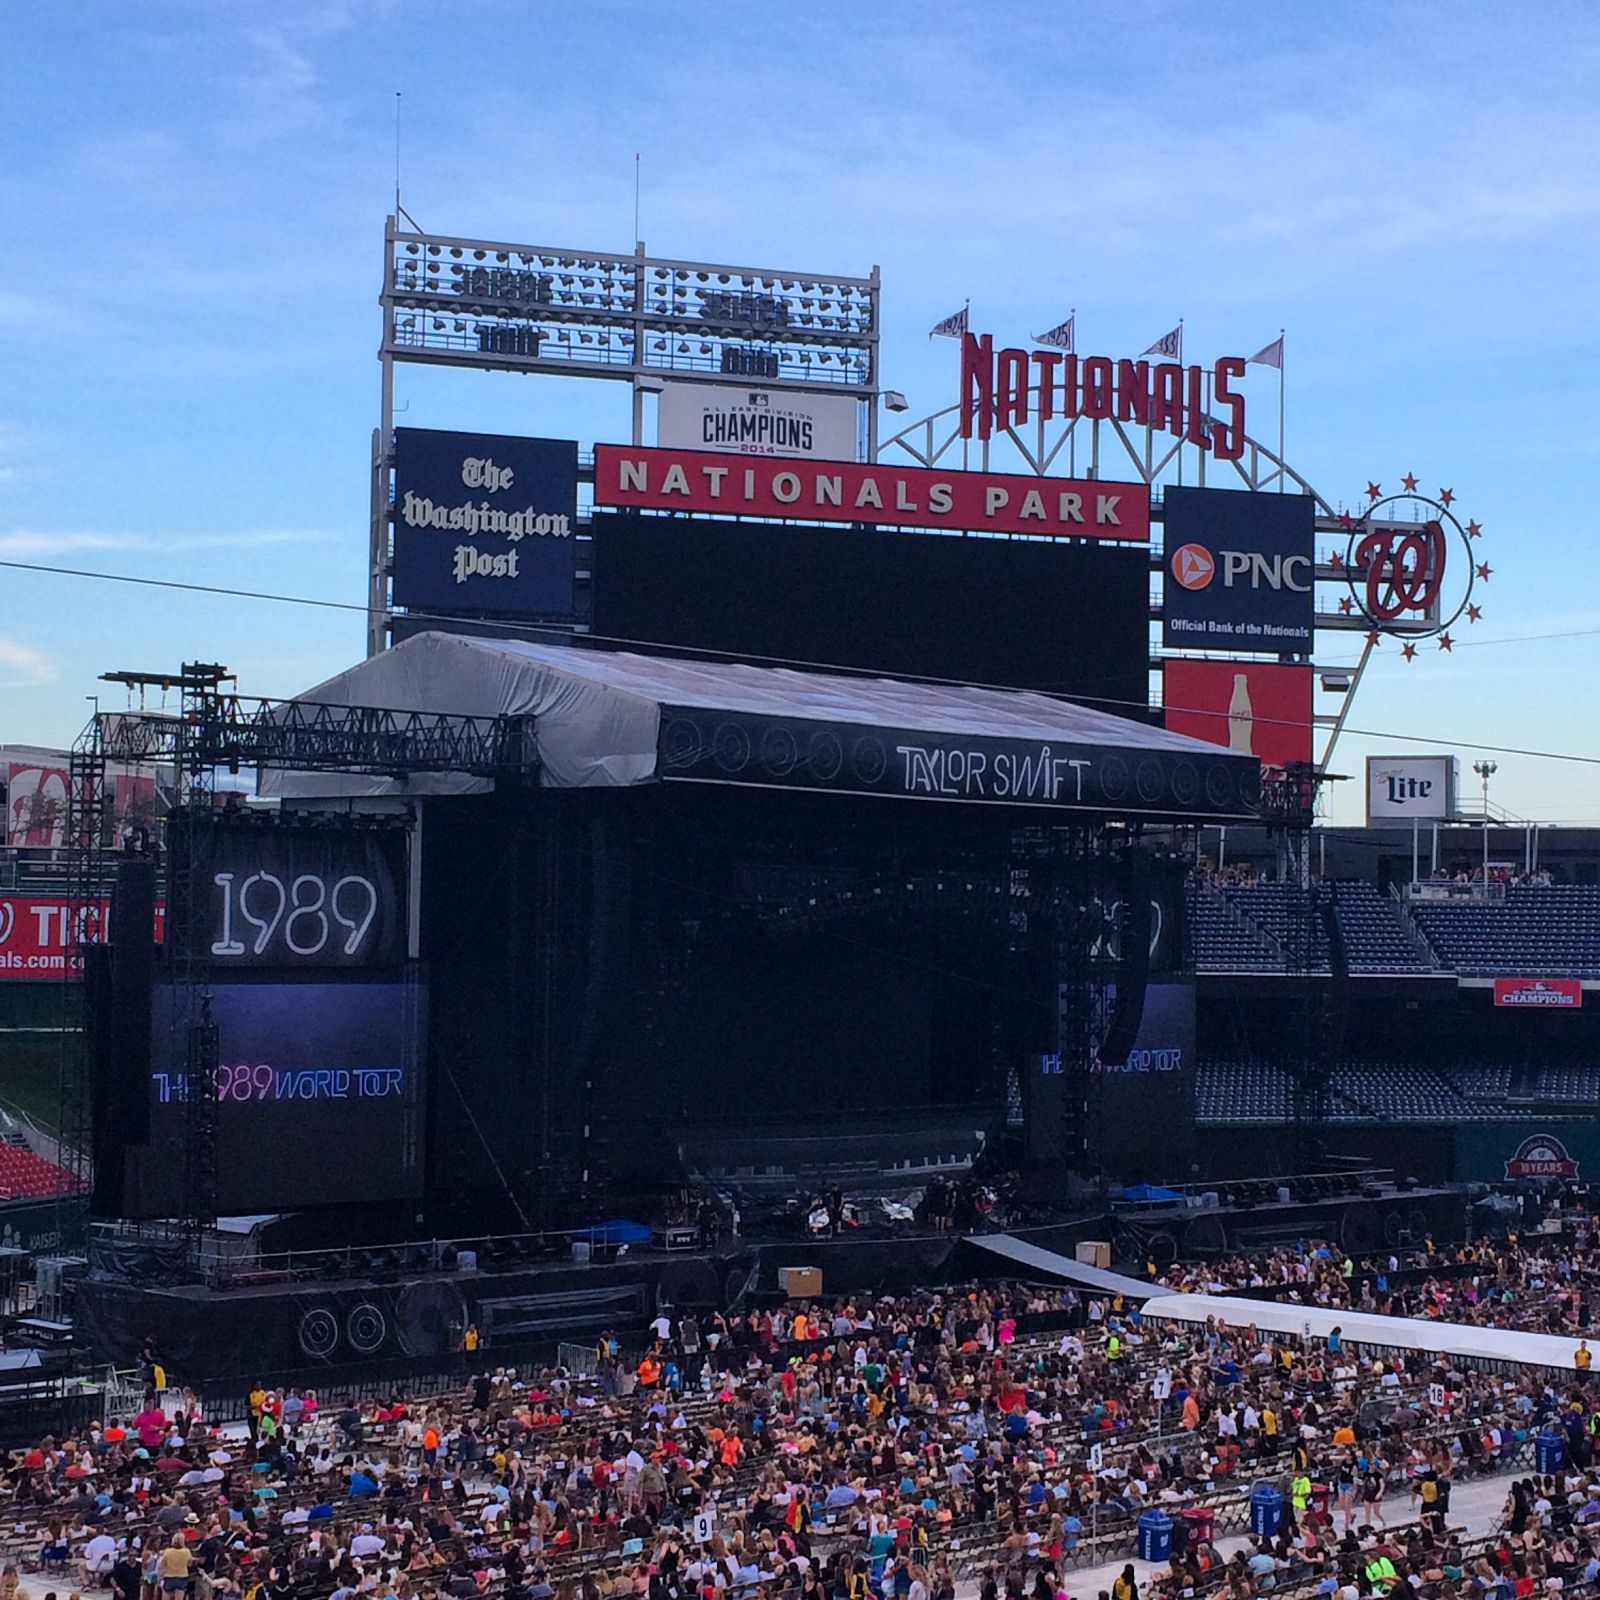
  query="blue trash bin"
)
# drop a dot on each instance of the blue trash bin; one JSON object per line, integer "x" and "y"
{"x": 1549, "y": 1451}
{"x": 1266, "y": 1509}
{"x": 1155, "y": 1535}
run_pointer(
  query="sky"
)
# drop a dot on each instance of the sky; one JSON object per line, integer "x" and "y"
{"x": 192, "y": 202}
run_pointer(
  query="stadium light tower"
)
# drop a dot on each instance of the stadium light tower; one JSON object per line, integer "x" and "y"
{"x": 1485, "y": 770}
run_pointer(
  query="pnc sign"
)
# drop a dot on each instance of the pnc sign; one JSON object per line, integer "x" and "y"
{"x": 1193, "y": 566}
{"x": 1239, "y": 571}
{"x": 1003, "y": 388}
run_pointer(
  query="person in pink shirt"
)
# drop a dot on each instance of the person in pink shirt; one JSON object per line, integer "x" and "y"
{"x": 150, "y": 1425}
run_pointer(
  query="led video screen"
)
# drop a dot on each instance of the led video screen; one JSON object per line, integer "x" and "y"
{"x": 320, "y": 1098}
{"x": 1072, "y": 619}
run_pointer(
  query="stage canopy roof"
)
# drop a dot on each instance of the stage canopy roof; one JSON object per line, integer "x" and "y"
{"x": 607, "y": 718}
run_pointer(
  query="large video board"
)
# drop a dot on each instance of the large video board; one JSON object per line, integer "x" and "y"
{"x": 319, "y": 1098}
{"x": 1068, "y": 618}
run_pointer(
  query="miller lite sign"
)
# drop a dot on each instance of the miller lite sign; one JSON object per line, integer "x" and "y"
{"x": 1410, "y": 789}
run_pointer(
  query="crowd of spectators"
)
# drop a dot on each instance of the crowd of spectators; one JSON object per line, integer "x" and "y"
{"x": 994, "y": 1436}
{"x": 1537, "y": 1283}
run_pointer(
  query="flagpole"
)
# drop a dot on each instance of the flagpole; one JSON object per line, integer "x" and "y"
{"x": 1282, "y": 357}
{"x": 1072, "y": 427}
{"x": 966, "y": 307}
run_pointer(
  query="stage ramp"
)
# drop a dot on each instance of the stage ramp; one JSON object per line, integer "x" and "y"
{"x": 1032, "y": 1260}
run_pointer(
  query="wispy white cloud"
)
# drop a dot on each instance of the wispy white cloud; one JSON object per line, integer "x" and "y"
{"x": 244, "y": 539}
{"x": 22, "y": 666}
{"x": 25, "y": 543}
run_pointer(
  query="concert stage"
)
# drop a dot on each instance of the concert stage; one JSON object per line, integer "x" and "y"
{"x": 320, "y": 1331}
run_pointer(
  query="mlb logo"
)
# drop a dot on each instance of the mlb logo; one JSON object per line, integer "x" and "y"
{"x": 758, "y": 397}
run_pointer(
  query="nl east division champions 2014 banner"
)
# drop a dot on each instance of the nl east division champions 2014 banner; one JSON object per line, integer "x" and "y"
{"x": 757, "y": 422}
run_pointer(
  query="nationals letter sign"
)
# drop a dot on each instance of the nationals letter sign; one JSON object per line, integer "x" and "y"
{"x": 842, "y": 491}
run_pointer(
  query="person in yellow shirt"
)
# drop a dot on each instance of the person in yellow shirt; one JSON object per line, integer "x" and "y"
{"x": 176, "y": 1560}
{"x": 469, "y": 1339}
{"x": 1300, "y": 1495}
{"x": 1581, "y": 1357}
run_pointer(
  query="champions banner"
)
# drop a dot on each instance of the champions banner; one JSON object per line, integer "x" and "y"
{"x": 872, "y": 492}
{"x": 757, "y": 422}
{"x": 1541, "y": 994}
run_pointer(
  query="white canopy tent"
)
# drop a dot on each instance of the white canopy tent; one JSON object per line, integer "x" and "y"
{"x": 1456, "y": 1340}
{"x": 604, "y": 719}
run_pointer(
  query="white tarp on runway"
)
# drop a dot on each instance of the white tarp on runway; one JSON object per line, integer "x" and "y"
{"x": 1365, "y": 1328}
{"x": 1034, "y": 1258}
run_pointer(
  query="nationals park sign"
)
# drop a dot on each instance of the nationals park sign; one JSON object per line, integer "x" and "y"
{"x": 850, "y": 492}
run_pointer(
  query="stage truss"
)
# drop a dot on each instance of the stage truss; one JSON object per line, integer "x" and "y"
{"x": 216, "y": 729}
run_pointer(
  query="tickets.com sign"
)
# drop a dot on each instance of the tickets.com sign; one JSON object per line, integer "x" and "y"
{"x": 36, "y": 934}
{"x": 839, "y": 491}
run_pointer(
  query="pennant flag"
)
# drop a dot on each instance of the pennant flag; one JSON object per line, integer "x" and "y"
{"x": 1269, "y": 355}
{"x": 951, "y": 328}
{"x": 1169, "y": 344}
{"x": 1061, "y": 336}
